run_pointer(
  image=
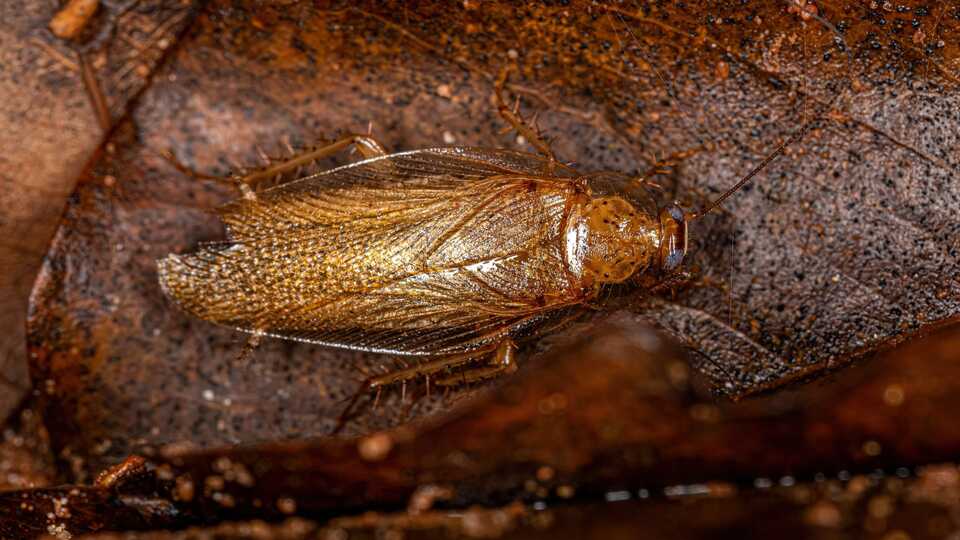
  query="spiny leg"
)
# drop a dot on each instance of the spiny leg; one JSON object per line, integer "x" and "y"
{"x": 246, "y": 183}
{"x": 512, "y": 116}
{"x": 248, "y": 348}
{"x": 664, "y": 166}
{"x": 686, "y": 279}
{"x": 421, "y": 370}
{"x": 121, "y": 472}
{"x": 503, "y": 362}
{"x": 378, "y": 382}
{"x": 366, "y": 145}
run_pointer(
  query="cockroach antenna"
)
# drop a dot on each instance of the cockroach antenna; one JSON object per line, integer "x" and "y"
{"x": 756, "y": 170}
{"x": 792, "y": 139}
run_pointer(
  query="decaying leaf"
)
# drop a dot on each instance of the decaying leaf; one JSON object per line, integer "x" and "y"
{"x": 888, "y": 507}
{"x": 59, "y": 99}
{"x": 632, "y": 426}
{"x": 845, "y": 245}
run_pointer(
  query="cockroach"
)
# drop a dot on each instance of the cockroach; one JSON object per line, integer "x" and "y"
{"x": 447, "y": 254}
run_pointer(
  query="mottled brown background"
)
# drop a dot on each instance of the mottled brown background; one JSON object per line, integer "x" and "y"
{"x": 847, "y": 244}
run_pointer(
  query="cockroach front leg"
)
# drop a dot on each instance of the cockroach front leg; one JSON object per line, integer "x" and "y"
{"x": 671, "y": 283}
{"x": 512, "y": 116}
{"x": 684, "y": 279}
{"x": 246, "y": 183}
{"x": 664, "y": 166}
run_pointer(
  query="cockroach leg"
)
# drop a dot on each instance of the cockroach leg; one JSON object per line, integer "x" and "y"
{"x": 672, "y": 283}
{"x": 246, "y": 183}
{"x": 232, "y": 180}
{"x": 664, "y": 166}
{"x": 249, "y": 347}
{"x": 408, "y": 409}
{"x": 512, "y": 116}
{"x": 426, "y": 368}
{"x": 687, "y": 279}
{"x": 504, "y": 353}
{"x": 366, "y": 145}
{"x": 119, "y": 473}
{"x": 504, "y": 361}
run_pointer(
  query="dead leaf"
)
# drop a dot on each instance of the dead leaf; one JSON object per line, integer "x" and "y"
{"x": 843, "y": 246}
{"x": 51, "y": 128}
{"x": 628, "y": 425}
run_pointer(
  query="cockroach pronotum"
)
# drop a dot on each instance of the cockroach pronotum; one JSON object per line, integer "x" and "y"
{"x": 449, "y": 254}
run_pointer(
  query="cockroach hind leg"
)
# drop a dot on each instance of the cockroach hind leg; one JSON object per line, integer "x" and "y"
{"x": 278, "y": 168}
{"x": 423, "y": 369}
{"x": 502, "y": 362}
{"x": 233, "y": 180}
{"x": 512, "y": 116}
{"x": 348, "y": 412}
{"x": 503, "y": 354}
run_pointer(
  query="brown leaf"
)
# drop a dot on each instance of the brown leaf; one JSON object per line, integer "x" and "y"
{"x": 627, "y": 425}
{"x": 25, "y": 459}
{"x": 51, "y": 127}
{"x": 845, "y": 245}
{"x": 627, "y": 420}
{"x": 63, "y": 512}
{"x": 886, "y": 508}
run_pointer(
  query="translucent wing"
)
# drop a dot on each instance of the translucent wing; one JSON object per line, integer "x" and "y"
{"x": 425, "y": 252}
{"x": 397, "y": 183}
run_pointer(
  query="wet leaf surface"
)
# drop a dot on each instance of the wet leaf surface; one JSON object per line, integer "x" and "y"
{"x": 62, "y": 512}
{"x": 25, "y": 458}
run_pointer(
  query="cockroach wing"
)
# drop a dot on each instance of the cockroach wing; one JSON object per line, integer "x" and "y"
{"x": 395, "y": 183}
{"x": 427, "y": 252}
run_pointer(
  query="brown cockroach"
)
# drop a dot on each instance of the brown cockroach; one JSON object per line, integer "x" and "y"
{"x": 444, "y": 253}
{"x": 449, "y": 254}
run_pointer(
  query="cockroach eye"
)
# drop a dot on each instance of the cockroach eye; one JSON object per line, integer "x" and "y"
{"x": 673, "y": 238}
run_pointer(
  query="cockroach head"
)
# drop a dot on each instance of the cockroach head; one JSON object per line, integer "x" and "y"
{"x": 673, "y": 238}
